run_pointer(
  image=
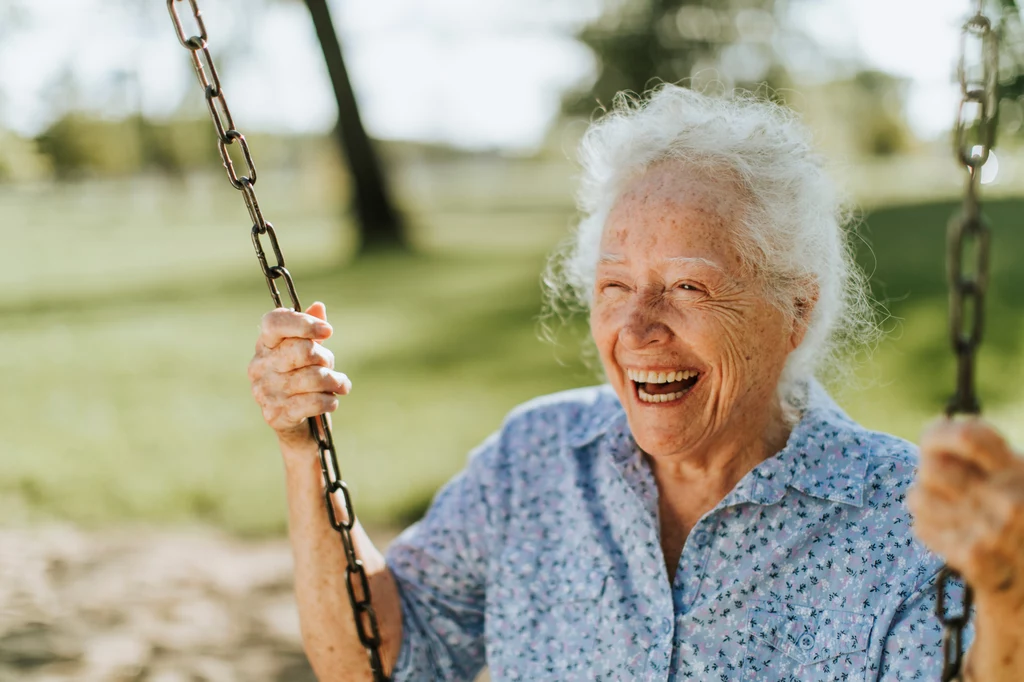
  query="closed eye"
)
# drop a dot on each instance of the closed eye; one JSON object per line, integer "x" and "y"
{"x": 688, "y": 286}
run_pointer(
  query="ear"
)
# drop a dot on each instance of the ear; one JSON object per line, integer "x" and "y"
{"x": 803, "y": 308}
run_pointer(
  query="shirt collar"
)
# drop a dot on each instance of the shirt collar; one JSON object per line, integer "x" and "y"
{"x": 826, "y": 455}
{"x": 605, "y": 414}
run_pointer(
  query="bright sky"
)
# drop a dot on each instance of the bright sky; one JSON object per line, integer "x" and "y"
{"x": 477, "y": 74}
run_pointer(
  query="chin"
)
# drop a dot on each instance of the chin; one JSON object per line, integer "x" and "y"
{"x": 659, "y": 440}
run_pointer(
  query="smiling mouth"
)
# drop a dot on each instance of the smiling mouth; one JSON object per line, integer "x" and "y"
{"x": 662, "y": 387}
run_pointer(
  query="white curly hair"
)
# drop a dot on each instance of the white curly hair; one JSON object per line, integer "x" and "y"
{"x": 793, "y": 236}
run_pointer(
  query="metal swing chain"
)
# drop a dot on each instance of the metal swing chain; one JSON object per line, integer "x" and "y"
{"x": 967, "y": 268}
{"x": 340, "y": 511}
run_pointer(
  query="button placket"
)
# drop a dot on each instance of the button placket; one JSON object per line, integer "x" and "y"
{"x": 659, "y": 655}
{"x": 693, "y": 563}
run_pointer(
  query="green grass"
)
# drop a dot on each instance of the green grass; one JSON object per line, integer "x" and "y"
{"x": 913, "y": 370}
{"x": 128, "y": 312}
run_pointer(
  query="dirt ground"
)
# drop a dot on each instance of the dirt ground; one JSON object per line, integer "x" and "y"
{"x": 147, "y": 605}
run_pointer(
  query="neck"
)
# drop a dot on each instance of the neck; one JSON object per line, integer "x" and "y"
{"x": 710, "y": 472}
{"x": 692, "y": 483}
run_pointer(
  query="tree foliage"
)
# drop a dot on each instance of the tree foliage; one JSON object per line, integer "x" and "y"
{"x": 639, "y": 43}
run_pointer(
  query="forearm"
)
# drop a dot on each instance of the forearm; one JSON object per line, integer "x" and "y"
{"x": 997, "y": 652}
{"x": 328, "y": 626}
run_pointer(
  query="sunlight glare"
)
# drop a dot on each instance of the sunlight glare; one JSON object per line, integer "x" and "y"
{"x": 990, "y": 169}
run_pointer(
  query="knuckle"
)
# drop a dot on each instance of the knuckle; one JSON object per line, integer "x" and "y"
{"x": 265, "y": 320}
{"x": 325, "y": 356}
{"x": 254, "y": 371}
{"x": 294, "y": 412}
{"x": 292, "y": 354}
{"x": 319, "y": 378}
{"x": 274, "y": 319}
{"x": 270, "y": 320}
{"x": 305, "y": 353}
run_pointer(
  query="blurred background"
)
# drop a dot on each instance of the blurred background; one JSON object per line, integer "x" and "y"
{"x": 418, "y": 163}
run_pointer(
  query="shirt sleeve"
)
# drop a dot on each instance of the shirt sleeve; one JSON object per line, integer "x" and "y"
{"x": 912, "y": 649}
{"x": 440, "y": 566}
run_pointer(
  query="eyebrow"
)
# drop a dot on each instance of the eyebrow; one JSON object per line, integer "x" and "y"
{"x": 611, "y": 258}
{"x": 697, "y": 260}
{"x": 685, "y": 260}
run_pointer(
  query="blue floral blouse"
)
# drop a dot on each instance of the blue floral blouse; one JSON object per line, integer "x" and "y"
{"x": 542, "y": 561}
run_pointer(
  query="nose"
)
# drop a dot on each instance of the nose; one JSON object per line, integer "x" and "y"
{"x": 644, "y": 328}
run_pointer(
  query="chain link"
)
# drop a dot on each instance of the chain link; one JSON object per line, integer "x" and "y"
{"x": 340, "y": 511}
{"x": 967, "y": 244}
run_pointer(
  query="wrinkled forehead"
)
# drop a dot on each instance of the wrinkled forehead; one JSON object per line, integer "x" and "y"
{"x": 671, "y": 186}
{"x": 611, "y": 258}
{"x": 677, "y": 215}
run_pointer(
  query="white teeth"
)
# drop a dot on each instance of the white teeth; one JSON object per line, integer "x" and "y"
{"x": 641, "y": 376}
{"x": 661, "y": 398}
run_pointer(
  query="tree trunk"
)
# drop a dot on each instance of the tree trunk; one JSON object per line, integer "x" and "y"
{"x": 380, "y": 226}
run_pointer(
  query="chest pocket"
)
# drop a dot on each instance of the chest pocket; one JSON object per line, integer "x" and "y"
{"x": 576, "y": 577}
{"x": 546, "y": 620}
{"x": 821, "y": 644}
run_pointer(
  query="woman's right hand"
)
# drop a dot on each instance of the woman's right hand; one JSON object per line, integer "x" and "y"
{"x": 292, "y": 374}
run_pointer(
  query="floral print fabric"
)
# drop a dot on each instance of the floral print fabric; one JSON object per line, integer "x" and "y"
{"x": 542, "y": 561}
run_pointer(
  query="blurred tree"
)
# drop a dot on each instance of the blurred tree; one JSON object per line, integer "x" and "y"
{"x": 877, "y": 111}
{"x": 80, "y": 145}
{"x": 1011, "y": 69}
{"x": 641, "y": 42}
{"x": 863, "y": 114}
{"x": 380, "y": 225}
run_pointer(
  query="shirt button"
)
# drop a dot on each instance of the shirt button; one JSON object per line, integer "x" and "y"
{"x": 666, "y": 626}
{"x": 701, "y": 537}
{"x": 806, "y": 641}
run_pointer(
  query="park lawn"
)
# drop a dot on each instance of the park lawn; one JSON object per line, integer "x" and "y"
{"x": 125, "y": 397}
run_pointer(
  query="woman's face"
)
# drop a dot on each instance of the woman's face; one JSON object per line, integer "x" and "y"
{"x": 687, "y": 338}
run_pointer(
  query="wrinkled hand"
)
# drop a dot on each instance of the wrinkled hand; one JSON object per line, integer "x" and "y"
{"x": 968, "y": 507}
{"x": 292, "y": 374}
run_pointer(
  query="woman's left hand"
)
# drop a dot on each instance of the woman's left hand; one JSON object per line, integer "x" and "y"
{"x": 968, "y": 507}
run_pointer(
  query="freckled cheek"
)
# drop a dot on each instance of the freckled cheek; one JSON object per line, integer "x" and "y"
{"x": 604, "y": 332}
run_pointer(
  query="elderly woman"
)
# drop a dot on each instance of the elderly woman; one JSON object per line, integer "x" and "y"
{"x": 708, "y": 513}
